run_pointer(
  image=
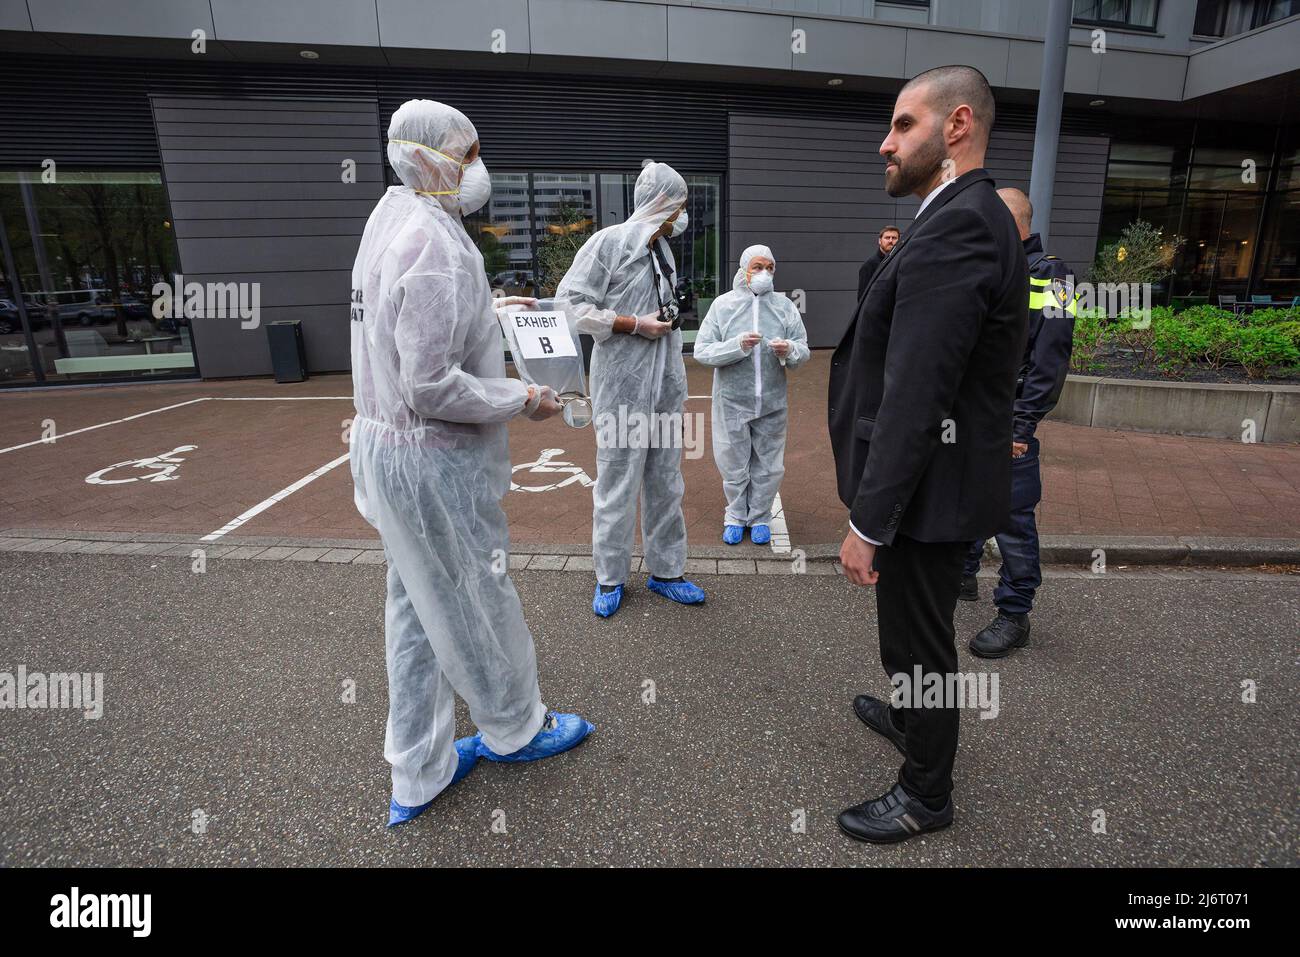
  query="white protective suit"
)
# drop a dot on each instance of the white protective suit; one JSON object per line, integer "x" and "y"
{"x": 430, "y": 462}
{"x": 749, "y": 391}
{"x": 632, "y": 375}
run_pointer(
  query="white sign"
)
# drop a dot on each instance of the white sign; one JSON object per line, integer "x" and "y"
{"x": 542, "y": 335}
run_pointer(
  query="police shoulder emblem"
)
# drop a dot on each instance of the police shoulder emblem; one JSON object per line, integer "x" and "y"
{"x": 1062, "y": 289}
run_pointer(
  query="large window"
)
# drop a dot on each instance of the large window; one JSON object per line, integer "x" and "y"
{"x": 1225, "y": 18}
{"x": 536, "y": 222}
{"x": 1133, "y": 14}
{"x": 87, "y": 250}
{"x": 1238, "y": 230}
{"x": 1278, "y": 275}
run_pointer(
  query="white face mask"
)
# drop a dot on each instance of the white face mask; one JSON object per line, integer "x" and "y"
{"x": 475, "y": 188}
{"x": 680, "y": 223}
{"x": 760, "y": 284}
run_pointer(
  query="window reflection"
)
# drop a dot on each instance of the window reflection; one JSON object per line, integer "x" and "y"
{"x": 502, "y": 230}
{"x": 1223, "y": 209}
{"x": 565, "y": 207}
{"x": 87, "y": 252}
{"x": 535, "y": 223}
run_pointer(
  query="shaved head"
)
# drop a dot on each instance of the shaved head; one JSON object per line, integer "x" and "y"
{"x": 1021, "y": 209}
{"x": 947, "y": 87}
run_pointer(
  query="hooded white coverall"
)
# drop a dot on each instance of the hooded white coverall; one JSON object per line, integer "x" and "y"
{"x": 430, "y": 462}
{"x": 749, "y": 391}
{"x": 614, "y": 274}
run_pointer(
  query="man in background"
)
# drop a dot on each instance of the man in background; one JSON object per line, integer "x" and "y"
{"x": 1042, "y": 376}
{"x": 886, "y": 241}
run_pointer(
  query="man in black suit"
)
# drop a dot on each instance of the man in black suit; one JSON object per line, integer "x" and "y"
{"x": 885, "y": 242}
{"x": 921, "y": 395}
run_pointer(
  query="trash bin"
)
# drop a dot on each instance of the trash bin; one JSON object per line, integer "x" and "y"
{"x": 288, "y": 357}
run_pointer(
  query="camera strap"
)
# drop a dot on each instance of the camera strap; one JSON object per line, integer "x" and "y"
{"x": 664, "y": 270}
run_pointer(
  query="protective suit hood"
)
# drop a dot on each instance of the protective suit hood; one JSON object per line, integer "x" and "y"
{"x": 738, "y": 281}
{"x": 660, "y": 191}
{"x": 427, "y": 143}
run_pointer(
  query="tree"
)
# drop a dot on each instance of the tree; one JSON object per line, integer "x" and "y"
{"x": 1141, "y": 255}
{"x": 565, "y": 234}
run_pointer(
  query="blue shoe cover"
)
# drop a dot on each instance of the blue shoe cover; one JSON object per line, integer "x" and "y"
{"x": 683, "y": 592}
{"x": 760, "y": 534}
{"x": 733, "y": 534}
{"x": 466, "y": 758}
{"x": 559, "y": 733}
{"x": 606, "y": 603}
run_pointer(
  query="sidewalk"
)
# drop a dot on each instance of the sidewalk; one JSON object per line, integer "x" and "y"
{"x": 253, "y": 439}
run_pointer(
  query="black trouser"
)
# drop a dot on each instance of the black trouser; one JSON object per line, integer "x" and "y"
{"x": 1021, "y": 574}
{"x": 915, "y": 600}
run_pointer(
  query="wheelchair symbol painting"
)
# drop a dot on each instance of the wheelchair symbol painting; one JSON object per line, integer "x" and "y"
{"x": 156, "y": 468}
{"x": 546, "y": 464}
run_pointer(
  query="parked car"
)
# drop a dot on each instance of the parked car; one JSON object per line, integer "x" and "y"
{"x": 9, "y": 321}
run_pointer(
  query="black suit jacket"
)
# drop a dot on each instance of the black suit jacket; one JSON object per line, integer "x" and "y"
{"x": 923, "y": 384}
{"x": 868, "y": 269}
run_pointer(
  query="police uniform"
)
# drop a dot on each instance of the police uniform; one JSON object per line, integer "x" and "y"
{"x": 1042, "y": 376}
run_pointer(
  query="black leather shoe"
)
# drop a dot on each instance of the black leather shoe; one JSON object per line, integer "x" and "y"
{"x": 875, "y": 714}
{"x": 892, "y": 817}
{"x": 1005, "y": 634}
{"x": 970, "y": 589}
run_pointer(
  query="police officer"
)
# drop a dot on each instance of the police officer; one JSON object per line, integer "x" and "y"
{"x": 1042, "y": 376}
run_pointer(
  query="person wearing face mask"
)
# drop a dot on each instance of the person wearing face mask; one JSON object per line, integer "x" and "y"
{"x": 751, "y": 336}
{"x": 430, "y": 464}
{"x": 618, "y": 284}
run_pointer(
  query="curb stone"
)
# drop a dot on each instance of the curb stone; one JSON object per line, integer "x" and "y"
{"x": 1067, "y": 551}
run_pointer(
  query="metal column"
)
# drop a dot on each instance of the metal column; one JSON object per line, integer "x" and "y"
{"x": 1047, "y": 130}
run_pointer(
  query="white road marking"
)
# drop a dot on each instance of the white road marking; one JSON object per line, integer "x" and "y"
{"x": 168, "y": 408}
{"x": 284, "y": 493}
{"x": 102, "y": 425}
{"x": 780, "y": 534}
{"x": 546, "y": 464}
{"x": 163, "y": 465}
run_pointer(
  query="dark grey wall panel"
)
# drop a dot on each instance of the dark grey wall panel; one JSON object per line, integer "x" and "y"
{"x": 270, "y": 207}
{"x": 813, "y": 189}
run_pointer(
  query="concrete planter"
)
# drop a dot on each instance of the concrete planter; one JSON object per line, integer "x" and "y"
{"x": 1208, "y": 409}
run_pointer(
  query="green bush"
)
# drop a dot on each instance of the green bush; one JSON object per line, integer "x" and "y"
{"x": 1270, "y": 317}
{"x": 1089, "y": 336}
{"x": 1291, "y": 330}
{"x": 1200, "y": 314}
{"x": 1204, "y": 335}
{"x": 1259, "y": 348}
{"x": 1200, "y": 335}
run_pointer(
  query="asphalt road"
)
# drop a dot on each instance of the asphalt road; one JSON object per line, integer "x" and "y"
{"x": 224, "y": 694}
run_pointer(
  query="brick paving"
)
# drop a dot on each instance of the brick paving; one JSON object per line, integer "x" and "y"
{"x": 1096, "y": 481}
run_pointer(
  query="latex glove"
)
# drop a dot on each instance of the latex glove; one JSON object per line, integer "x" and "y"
{"x": 651, "y": 327}
{"x": 781, "y": 347}
{"x": 750, "y": 339}
{"x": 513, "y": 301}
{"x": 547, "y": 404}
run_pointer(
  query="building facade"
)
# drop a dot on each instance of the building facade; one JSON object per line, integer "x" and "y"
{"x": 237, "y": 147}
